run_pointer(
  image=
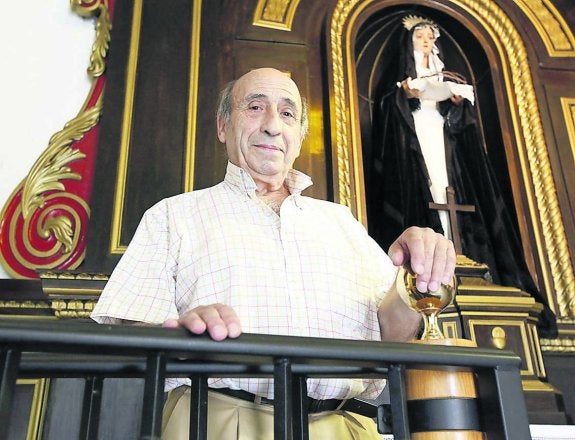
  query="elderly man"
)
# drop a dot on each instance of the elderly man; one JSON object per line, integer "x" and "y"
{"x": 252, "y": 254}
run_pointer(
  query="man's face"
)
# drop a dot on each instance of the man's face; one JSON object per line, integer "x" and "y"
{"x": 263, "y": 135}
{"x": 423, "y": 40}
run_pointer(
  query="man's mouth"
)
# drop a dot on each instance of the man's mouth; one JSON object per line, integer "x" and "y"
{"x": 269, "y": 147}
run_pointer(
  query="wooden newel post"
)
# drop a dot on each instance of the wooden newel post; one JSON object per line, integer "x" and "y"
{"x": 442, "y": 404}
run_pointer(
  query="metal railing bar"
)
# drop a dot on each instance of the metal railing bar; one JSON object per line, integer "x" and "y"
{"x": 55, "y": 365}
{"x": 59, "y": 336}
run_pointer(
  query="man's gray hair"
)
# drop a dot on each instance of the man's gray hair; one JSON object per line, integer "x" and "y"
{"x": 225, "y": 108}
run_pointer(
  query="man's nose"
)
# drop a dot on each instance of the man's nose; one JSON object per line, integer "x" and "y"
{"x": 271, "y": 123}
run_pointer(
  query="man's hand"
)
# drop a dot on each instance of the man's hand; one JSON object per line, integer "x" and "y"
{"x": 219, "y": 320}
{"x": 427, "y": 254}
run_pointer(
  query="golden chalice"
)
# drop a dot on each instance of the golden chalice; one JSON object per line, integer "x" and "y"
{"x": 428, "y": 304}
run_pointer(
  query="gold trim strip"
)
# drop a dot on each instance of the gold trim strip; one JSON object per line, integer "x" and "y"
{"x": 536, "y": 385}
{"x": 503, "y": 301}
{"x": 484, "y": 313}
{"x": 568, "y": 107}
{"x": 118, "y": 211}
{"x": 193, "y": 96}
{"x": 275, "y": 14}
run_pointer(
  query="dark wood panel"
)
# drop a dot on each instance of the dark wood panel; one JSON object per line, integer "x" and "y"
{"x": 159, "y": 121}
{"x": 157, "y": 125}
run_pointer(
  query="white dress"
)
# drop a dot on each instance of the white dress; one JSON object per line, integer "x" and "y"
{"x": 429, "y": 128}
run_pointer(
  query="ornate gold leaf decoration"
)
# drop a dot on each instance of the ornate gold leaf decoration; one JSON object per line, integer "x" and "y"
{"x": 527, "y": 124}
{"x": 103, "y": 28}
{"x": 44, "y": 224}
{"x": 553, "y": 30}
{"x": 51, "y": 167}
{"x": 275, "y": 14}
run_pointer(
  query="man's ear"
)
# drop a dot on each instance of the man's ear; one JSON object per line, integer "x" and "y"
{"x": 221, "y": 125}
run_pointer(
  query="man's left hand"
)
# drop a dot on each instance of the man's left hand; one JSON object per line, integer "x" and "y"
{"x": 427, "y": 254}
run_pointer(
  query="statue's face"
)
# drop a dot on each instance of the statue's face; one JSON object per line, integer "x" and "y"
{"x": 424, "y": 40}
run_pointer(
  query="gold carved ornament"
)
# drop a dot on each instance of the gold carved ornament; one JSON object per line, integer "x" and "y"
{"x": 45, "y": 224}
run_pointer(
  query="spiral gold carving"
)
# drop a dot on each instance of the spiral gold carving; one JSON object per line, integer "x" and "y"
{"x": 528, "y": 126}
{"x": 339, "y": 19}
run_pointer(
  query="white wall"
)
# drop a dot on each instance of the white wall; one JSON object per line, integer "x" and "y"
{"x": 45, "y": 50}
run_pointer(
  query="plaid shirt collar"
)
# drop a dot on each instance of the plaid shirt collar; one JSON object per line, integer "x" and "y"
{"x": 295, "y": 181}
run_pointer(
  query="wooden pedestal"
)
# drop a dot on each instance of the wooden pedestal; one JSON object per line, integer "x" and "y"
{"x": 442, "y": 404}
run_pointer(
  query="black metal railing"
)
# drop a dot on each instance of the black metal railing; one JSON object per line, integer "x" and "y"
{"x": 66, "y": 349}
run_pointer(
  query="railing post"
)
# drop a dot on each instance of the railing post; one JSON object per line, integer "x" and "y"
{"x": 9, "y": 362}
{"x": 153, "y": 397}
{"x": 199, "y": 408}
{"x": 398, "y": 401}
{"x": 91, "y": 408}
{"x": 502, "y": 404}
{"x": 283, "y": 400}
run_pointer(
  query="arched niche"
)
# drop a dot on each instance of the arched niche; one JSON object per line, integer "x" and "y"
{"x": 524, "y": 148}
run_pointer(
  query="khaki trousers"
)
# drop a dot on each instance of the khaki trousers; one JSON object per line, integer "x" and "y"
{"x": 235, "y": 419}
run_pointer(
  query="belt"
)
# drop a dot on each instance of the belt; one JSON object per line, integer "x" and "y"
{"x": 313, "y": 405}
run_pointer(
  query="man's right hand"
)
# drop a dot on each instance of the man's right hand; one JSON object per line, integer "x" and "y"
{"x": 220, "y": 320}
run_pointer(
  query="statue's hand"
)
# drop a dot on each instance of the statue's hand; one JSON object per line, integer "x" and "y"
{"x": 410, "y": 93}
{"x": 457, "y": 99}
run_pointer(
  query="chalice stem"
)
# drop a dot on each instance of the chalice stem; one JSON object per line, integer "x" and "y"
{"x": 431, "y": 328}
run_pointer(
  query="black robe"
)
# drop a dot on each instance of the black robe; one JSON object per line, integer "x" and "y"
{"x": 398, "y": 194}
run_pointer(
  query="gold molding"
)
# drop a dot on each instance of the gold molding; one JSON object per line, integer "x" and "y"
{"x": 275, "y": 14}
{"x": 543, "y": 205}
{"x": 73, "y": 308}
{"x": 37, "y": 407}
{"x": 193, "y": 96}
{"x": 122, "y": 170}
{"x": 558, "y": 345}
{"x": 499, "y": 301}
{"x": 550, "y": 25}
{"x": 537, "y": 385}
{"x": 17, "y": 304}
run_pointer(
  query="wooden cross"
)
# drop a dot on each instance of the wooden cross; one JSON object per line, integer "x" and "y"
{"x": 453, "y": 208}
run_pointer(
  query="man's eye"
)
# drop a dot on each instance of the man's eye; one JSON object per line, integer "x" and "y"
{"x": 288, "y": 114}
{"x": 255, "y": 107}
